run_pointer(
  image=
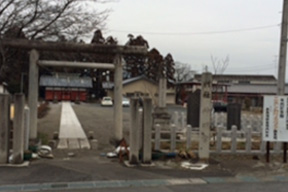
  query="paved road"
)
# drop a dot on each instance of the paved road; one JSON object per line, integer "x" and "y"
{"x": 247, "y": 187}
{"x": 222, "y": 187}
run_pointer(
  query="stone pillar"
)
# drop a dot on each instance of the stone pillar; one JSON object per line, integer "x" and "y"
{"x": 4, "y": 127}
{"x": 147, "y": 150}
{"x": 18, "y": 129}
{"x": 118, "y": 77}
{"x": 162, "y": 92}
{"x": 205, "y": 116}
{"x": 33, "y": 92}
{"x": 26, "y": 127}
{"x": 134, "y": 132}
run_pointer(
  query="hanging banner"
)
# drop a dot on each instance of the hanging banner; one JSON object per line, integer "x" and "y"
{"x": 275, "y": 118}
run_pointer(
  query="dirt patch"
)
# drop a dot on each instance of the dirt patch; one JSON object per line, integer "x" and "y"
{"x": 50, "y": 123}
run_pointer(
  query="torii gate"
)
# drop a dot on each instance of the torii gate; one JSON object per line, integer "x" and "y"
{"x": 35, "y": 46}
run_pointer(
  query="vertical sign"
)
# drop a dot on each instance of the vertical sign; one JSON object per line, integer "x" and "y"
{"x": 205, "y": 116}
{"x": 275, "y": 118}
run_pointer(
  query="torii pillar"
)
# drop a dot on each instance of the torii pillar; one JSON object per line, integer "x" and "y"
{"x": 33, "y": 92}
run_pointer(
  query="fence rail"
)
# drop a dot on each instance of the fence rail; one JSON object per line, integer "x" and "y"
{"x": 220, "y": 119}
{"x": 221, "y": 140}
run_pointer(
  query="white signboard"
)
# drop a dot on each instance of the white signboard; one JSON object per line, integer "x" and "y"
{"x": 275, "y": 118}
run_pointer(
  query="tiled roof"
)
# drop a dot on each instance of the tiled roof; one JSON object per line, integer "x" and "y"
{"x": 240, "y": 77}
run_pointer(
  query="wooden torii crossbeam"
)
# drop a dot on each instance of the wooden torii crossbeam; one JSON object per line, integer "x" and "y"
{"x": 34, "y": 46}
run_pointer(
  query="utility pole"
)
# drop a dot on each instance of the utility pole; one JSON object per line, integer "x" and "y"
{"x": 282, "y": 70}
{"x": 283, "y": 51}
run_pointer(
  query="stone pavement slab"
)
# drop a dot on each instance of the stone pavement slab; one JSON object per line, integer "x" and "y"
{"x": 71, "y": 135}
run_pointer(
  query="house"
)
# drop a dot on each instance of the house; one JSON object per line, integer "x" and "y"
{"x": 65, "y": 87}
{"x": 141, "y": 86}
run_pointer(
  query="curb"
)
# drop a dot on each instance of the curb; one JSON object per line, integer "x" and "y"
{"x": 139, "y": 183}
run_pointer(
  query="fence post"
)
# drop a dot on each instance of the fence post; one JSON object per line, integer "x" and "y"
{"x": 157, "y": 137}
{"x": 216, "y": 118}
{"x": 26, "y": 127}
{"x": 182, "y": 120}
{"x": 219, "y": 139}
{"x": 176, "y": 119}
{"x": 233, "y": 139}
{"x": 18, "y": 129}
{"x": 140, "y": 127}
{"x": 263, "y": 146}
{"x": 188, "y": 137}
{"x": 147, "y": 119}
{"x": 248, "y": 139}
{"x": 173, "y": 137}
{"x": 134, "y": 136}
{"x": 4, "y": 127}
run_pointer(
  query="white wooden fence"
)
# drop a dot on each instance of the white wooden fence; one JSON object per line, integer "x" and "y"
{"x": 188, "y": 137}
{"x": 220, "y": 119}
{"x": 245, "y": 140}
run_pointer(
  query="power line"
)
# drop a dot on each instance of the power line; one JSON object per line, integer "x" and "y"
{"x": 199, "y": 33}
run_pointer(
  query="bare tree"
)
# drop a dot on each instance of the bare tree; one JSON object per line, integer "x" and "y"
{"x": 183, "y": 72}
{"x": 57, "y": 20}
{"x": 219, "y": 65}
{"x": 51, "y": 19}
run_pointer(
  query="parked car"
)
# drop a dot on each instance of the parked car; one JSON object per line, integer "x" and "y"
{"x": 219, "y": 106}
{"x": 125, "y": 102}
{"x": 106, "y": 101}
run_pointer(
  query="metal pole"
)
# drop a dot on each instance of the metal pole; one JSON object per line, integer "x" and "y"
{"x": 33, "y": 92}
{"x": 283, "y": 51}
{"x": 118, "y": 116}
{"x": 268, "y": 152}
{"x": 285, "y": 152}
{"x": 282, "y": 57}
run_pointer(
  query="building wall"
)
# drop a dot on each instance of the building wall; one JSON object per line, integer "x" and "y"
{"x": 145, "y": 88}
{"x": 62, "y": 94}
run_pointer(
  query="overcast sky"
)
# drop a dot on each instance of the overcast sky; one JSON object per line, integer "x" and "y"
{"x": 180, "y": 27}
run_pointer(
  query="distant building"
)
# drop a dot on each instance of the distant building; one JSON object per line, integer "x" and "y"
{"x": 65, "y": 87}
{"x": 240, "y": 79}
{"x": 247, "y": 90}
{"x": 141, "y": 86}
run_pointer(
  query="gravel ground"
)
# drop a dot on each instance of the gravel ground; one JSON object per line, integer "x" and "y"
{"x": 50, "y": 123}
{"x": 99, "y": 119}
